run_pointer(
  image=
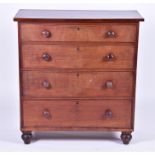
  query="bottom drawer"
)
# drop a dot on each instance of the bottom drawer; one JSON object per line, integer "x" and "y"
{"x": 77, "y": 113}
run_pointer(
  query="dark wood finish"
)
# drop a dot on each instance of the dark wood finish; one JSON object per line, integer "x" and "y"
{"x": 77, "y": 70}
{"x": 126, "y": 137}
{"x": 27, "y": 136}
{"x": 87, "y": 113}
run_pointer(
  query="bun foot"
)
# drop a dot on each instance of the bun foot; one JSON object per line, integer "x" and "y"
{"x": 27, "y": 136}
{"x": 126, "y": 137}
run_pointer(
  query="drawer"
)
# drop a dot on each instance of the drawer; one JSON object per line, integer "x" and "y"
{"x": 77, "y": 84}
{"x": 86, "y": 56}
{"x": 77, "y": 113}
{"x": 108, "y": 32}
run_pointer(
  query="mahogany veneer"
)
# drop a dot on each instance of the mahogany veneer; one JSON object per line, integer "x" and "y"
{"x": 77, "y": 70}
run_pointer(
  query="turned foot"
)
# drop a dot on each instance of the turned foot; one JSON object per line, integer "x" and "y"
{"x": 27, "y": 136}
{"x": 126, "y": 137}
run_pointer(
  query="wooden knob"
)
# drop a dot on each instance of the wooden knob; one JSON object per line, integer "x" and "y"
{"x": 77, "y": 102}
{"x": 47, "y": 114}
{"x": 108, "y": 113}
{"x": 46, "y": 34}
{"x": 110, "y": 34}
{"x": 78, "y": 28}
{"x": 78, "y": 48}
{"x": 77, "y": 74}
{"x": 46, "y": 57}
{"x": 46, "y": 84}
{"x": 109, "y": 84}
{"x": 110, "y": 57}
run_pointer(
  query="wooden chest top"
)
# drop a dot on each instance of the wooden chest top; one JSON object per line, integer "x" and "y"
{"x": 46, "y": 15}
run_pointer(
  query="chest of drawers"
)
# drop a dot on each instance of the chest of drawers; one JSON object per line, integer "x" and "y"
{"x": 77, "y": 71}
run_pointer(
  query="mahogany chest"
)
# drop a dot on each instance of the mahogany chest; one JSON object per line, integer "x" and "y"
{"x": 77, "y": 70}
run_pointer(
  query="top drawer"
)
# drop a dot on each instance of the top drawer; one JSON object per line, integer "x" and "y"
{"x": 106, "y": 32}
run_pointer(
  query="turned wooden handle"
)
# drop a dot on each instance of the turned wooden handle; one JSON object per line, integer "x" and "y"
{"x": 46, "y": 57}
{"x": 109, "y": 84}
{"x": 46, "y": 114}
{"x": 46, "y": 84}
{"x": 110, "y": 34}
{"x": 46, "y": 34}
{"x": 108, "y": 113}
{"x": 110, "y": 57}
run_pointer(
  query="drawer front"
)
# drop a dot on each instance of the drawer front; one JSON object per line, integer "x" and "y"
{"x": 69, "y": 57}
{"x": 77, "y": 84}
{"x": 108, "y": 32}
{"x": 82, "y": 113}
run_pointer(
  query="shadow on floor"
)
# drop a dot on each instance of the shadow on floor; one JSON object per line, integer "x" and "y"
{"x": 108, "y": 136}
